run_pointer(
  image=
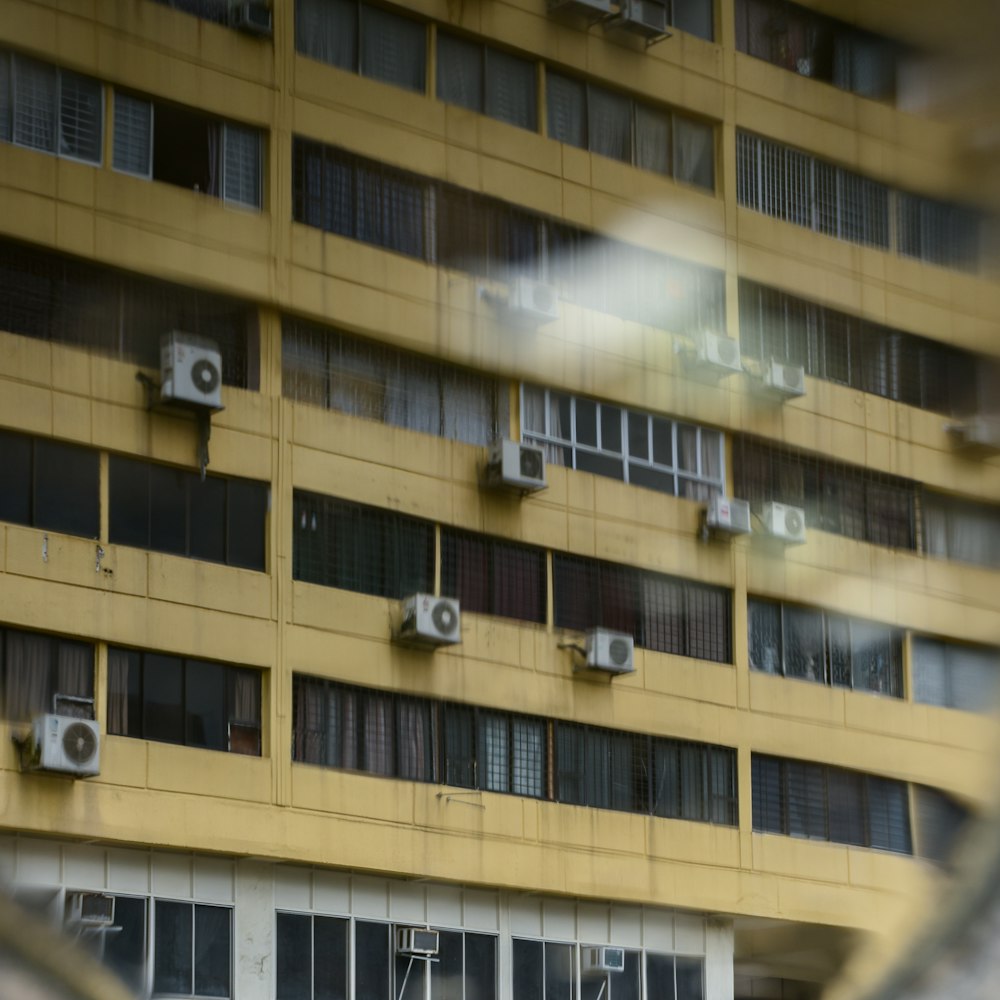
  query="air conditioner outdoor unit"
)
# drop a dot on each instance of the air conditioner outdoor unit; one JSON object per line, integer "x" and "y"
{"x": 532, "y": 302}
{"x": 253, "y": 18}
{"x": 430, "y": 621}
{"x": 728, "y": 515}
{"x": 643, "y": 17}
{"x": 603, "y": 959}
{"x": 717, "y": 355}
{"x": 786, "y": 523}
{"x": 784, "y": 380}
{"x": 418, "y": 942}
{"x": 979, "y": 435}
{"x": 65, "y": 745}
{"x": 190, "y": 371}
{"x": 517, "y": 466}
{"x": 589, "y": 8}
{"x": 610, "y": 651}
{"x": 90, "y": 909}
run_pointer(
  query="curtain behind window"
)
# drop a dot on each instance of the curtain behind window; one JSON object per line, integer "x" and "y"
{"x": 393, "y": 48}
{"x": 567, "y": 103}
{"x": 459, "y": 72}
{"x": 609, "y": 124}
{"x": 328, "y": 30}
{"x": 510, "y": 89}
{"x": 652, "y": 139}
{"x": 28, "y": 690}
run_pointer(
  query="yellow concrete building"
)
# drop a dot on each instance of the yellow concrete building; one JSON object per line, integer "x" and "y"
{"x": 631, "y": 741}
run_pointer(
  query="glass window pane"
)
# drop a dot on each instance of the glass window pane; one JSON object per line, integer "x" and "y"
{"x": 34, "y": 104}
{"x": 652, "y": 139}
{"x": 133, "y": 139}
{"x": 328, "y": 30}
{"x": 586, "y": 422}
{"x": 694, "y": 17}
{"x": 125, "y": 950}
{"x": 15, "y": 478}
{"x": 168, "y": 509}
{"x": 172, "y": 955}
{"x": 690, "y": 978}
{"x": 459, "y": 72}
{"x": 611, "y": 428}
{"x": 207, "y": 518}
{"x": 393, "y": 48}
{"x": 81, "y": 113}
{"x": 329, "y": 958}
{"x": 638, "y": 435}
{"x": 129, "y": 502}
{"x": 609, "y": 124}
{"x": 765, "y": 636}
{"x": 446, "y": 972}
{"x": 659, "y": 976}
{"x": 205, "y": 705}
{"x": 241, "y": 165}
{"x": 480, "y": 967}
{"x": 663, "y": 445}
{"x": 528, "y": 973}
{"x": 510, "y": 89}
{"x": 803, "y": 644}
{"x": 163, "y": 708}
{"x": 245, "y": 523}
{"x": 294, "y": 957}
{"x": 566, "y": 102}
{"x": 559, "y": 971}
{"x": 694, "y": 152}
{"x": 67, "y": 492}
{"x": 372, "y": 964}
{"x": 212, "y": 942}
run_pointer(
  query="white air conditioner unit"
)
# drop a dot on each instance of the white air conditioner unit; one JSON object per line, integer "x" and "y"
{"x": 728, "y": 515}
{"x": 430, "y": 621}
{"x": 90, "y": 909}
{"x": 418, "y": 942}
{"x": 785, "y": 381}
{"x": 717, "y": 355}
{"x": 190, "y": 371}
{"x": 643, "y": 17}
{"x": 65, "y": 745}
{"x": 252, "y": 17}
{"x": 603, "y": 959}
{"x": 786, "y": 523}
{"x": 517, "y": 466}
{"x": 532, "y": 302}
{"x": 609, "y": 651}
{"x": 592, "y": 9}
{"x": 977, "y": 436}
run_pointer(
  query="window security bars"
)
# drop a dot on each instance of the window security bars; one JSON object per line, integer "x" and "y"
{"x": 50, "y": 296}
{"x": 829, "y": 803}
{"x": 822, "y": 48}
{"x": 49, "y": 109}
{"x": 640, "y": 448}
{"x": 662, "y": 613}
{"x": 826, "y": 648}
{"x": 196, "y": 703}
{"x": 841, "y": 348}
{"x": 795, "y": 187}
{"x": 843, "y": 499}
{"x": 446, "y": 225}
{"x": 35, "y": 666}
{"x": 159, "y": 507}
{"x": 332, "y": 369}
{"x": 420, "y": 739}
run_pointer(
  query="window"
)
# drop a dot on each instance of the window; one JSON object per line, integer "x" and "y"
{"x": 44, "y": 673}
{"x": 662, "y": 613}
{"x": 612, "y": 124}
{"x": 609, "y": 440}
{"x": 124, "y": 951}
{"x": 963, "y": 530}
{"x": 939, "y": 821}
{"x": 420, "y": 739}
{"x": 828, "y": 803}
{"x": 841, "y": 348}
{"x": 332, "y": 369}
{"x": 340, "y": 544}
{"x": 449, "y": 226}
{"x": 363, "y": 39}
{"x": 677, "y": 976}
{"x": 488, "y": 80}
{"x": 50, "y": 296}
{"x": 312, "y": 957}
{"x": 49, "y": 484}
{"x": 827, "y": 648}
{"x": 187, "y": 148}
{"x": 795, "y": 187}
{"x": 843, "y": 499}
{"x": 192, "y": 949}
{"x": 219, "y": 519}
{"x": 954, "y": 675}
{"x": 172, "y": 699}
{"x": 493, "y": 577}
{"x": 50, "y": 109}
{"x": 819, "y": 47}
{"x": 208, "y": 10}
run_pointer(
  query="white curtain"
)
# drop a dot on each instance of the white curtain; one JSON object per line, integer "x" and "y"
{"x": 28, "y": 688}
{"x": 533, "y": 422}
{"x": 652, "y": 139}
{"x": 694, "y": 152}
{"x": 118, "y": 667}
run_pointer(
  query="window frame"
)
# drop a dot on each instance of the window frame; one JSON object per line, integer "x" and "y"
{"x": 154, "y": 958}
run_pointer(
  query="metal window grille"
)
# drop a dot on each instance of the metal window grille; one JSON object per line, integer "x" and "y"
{"x": 826, "y": 648}
{"x": 843, "y": 499}
{"x": 365, "y": 549}
{"x": 493, "y": 576}
{"x": 662, "y": 613}
{"x": 421, "y": 739}
{"x": 365, "y": 200}
{"x": 803, "y": 799}
{"x": 329, "y": 368}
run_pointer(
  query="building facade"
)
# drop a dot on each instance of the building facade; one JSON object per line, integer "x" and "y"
{"x": 681, "y": 252}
